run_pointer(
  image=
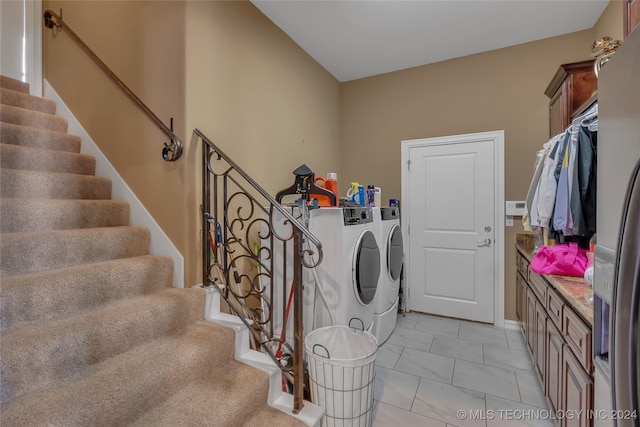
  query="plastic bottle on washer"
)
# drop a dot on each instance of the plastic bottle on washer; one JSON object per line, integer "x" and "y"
{"x": 331, "y": 183}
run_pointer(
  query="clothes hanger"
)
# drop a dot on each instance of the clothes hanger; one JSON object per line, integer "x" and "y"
{"x": 305, "y": 184}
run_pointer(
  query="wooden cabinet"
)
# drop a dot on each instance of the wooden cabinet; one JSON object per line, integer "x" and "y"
{"x": 577, "y": 391}
{"x": 530, "y": 324}
{"x": 631, "y": 16}
{"x": 559, "y": 343}
{"x": 540, "y": 343}
{"x": 553, "y": 386}
{"x": 572, "y": 86}
{"x": 521, "y": 293}
{"x": 520, "y": 297}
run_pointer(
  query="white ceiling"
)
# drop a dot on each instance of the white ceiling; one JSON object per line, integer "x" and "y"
{"x": 360, "y": 38}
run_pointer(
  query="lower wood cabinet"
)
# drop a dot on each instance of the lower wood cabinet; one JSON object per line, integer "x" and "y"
{"x": 559, "y": 343}
{"x": 520, "y": 297}
{"x": 577, "y": 391}
{"x": 530, "y": 322}
{"x": 540, "y": 342}
{"x": 553, "y": 384}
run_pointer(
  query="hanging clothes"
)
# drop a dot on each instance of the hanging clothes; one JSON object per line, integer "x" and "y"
{"x": 562, "y": 193}
{"x": 562, "y": 210}
{"x": 583, "y": 193}
{"x": 531, "y": 219}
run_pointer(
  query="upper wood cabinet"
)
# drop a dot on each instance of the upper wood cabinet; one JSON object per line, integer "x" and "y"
{"x": 631, "y": 16}
{"x": 571, "y": 87}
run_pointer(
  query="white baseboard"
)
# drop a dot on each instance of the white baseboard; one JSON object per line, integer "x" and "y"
{"x": 139, "y": 216}
{"x": 512, "y": 324}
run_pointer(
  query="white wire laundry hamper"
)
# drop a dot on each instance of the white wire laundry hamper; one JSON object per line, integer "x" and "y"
{"x": 341, "y": 364}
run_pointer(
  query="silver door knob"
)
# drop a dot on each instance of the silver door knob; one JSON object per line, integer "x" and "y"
{"x": 485, "y": 242}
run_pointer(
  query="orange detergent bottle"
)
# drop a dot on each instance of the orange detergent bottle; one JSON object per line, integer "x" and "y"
{"x": 331, "y": 183}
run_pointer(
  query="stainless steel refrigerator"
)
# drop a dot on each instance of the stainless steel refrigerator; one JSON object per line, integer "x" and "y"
{"x": 617, "y": 258}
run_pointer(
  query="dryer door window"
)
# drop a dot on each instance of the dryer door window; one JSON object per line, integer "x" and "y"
{"x": 395, "y": 253}
{"x": 366, "y": 267}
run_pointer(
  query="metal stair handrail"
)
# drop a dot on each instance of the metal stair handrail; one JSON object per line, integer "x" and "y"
{"x": 239, "y": 243}
{"x": 171, "y": 151}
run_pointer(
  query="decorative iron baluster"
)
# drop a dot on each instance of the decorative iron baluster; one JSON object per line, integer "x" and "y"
{"x": 243, "y": 228}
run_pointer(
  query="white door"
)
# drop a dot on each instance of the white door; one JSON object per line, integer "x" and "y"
{"x": 453, "y": 202}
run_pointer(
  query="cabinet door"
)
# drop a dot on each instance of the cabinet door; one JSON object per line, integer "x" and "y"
{"x": 540, "y": 342}
{"x": 520, "y": 300}
{"x": 632, "y": 18}
{"x": 557, "y": 113}
{"x": 577, "y": 391}
{"x": 553, "y": 386}
{"x": 530, "y": 324}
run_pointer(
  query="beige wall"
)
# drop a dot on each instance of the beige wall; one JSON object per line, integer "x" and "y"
{"x": 223, "y": 65}
{"x": 224, "y": 68}
{"x": 611, "y": 22}
{"x": 497, "y": 90}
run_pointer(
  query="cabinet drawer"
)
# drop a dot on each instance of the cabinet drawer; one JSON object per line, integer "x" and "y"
{"x": 538, "y": 285}
{"x": 554, "y": 306}
{"x": 578, "y": 337}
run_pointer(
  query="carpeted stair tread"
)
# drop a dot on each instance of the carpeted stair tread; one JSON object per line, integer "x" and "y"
{"x": 14, "y": 84}
{"x": 225, "y": 402}
{"x": 18, "y": 215}
{"x": 18, "y": 183}
{"x": 39, "y": 354}
{"x": 27, "y": 136}
{"x": 25, "y": 117}
{"x": 268, "y": 416}
{"x": 26, "y": 101}
{"x": 27, "y": 158}
{"x": 92, "y": 332}
{"x": 52, "y": 294}
{"x": 117, "y": 390}
{"x": 28, "y": 252}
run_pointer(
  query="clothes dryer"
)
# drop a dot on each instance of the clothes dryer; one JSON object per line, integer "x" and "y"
{"x": 385, "y": 304}
{"x": 350, "y": 268}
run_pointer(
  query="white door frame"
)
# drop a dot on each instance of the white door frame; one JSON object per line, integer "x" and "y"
{"x": 498, "y": 142}
{"x": 34, "y": 23}
{"x": 21, "y": 42}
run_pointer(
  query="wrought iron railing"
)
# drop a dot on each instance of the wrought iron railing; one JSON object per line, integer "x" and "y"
{"x": 254, "y": 251}
{"x": 171, "y": 151}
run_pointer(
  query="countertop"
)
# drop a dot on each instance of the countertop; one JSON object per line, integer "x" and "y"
{"x": 576, "y": 291}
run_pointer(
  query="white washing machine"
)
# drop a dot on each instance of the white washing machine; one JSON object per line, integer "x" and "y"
{"x": 385, "y": 304}
{"x": 349, "y": 270}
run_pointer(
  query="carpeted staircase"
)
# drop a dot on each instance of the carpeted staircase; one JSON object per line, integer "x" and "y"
{"x": 92, "y": 331}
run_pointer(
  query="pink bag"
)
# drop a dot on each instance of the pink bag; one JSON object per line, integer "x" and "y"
{"x": 564, "y": 259}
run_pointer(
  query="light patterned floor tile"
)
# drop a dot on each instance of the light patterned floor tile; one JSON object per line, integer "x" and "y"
{"x": 426, "y": 365}
{"x": 486, "y": 379}
{"x": 515, "y": 339}
{"x": 390, "y": 416}
{"x": 483, "y": 333}
{"x": 407, "y": 321}
{"x": 506, "y": 413}
{"x": 411, "y": 339}
{"x": 403, "y": 398}
{"x": 448, "y": 403}
{"x": 456, "y": 348}
{"x": 388, "y": 355}
{"x": 395, "y": 388}
{"x": 530, "y": 390}
{"x": 438, "y": 326}
{"x": 508, "y": 358}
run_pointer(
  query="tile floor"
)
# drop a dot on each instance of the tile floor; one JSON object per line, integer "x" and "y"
{"x": 431, "y": 368}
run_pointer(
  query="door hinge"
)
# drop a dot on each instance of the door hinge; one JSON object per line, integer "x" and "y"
{"x": 408, "y": 165}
